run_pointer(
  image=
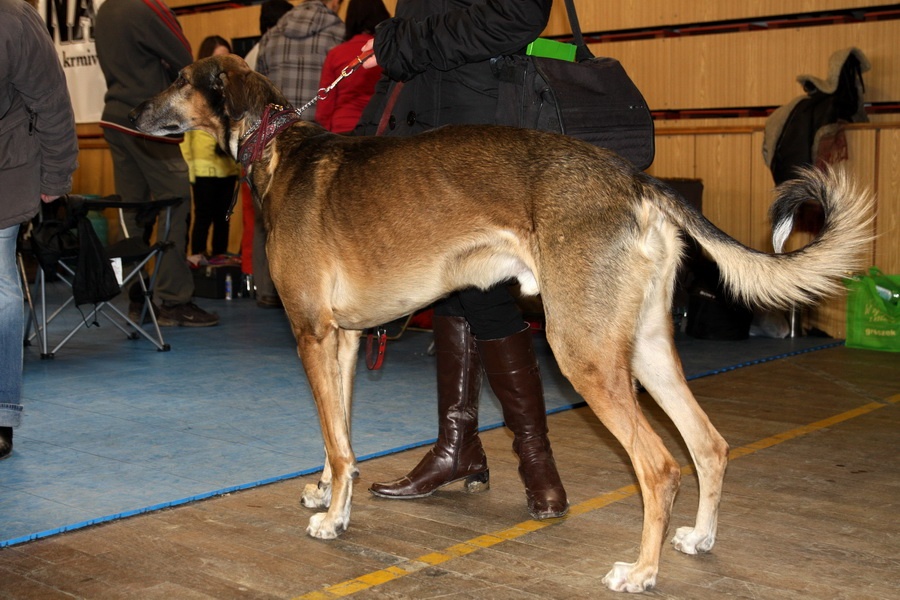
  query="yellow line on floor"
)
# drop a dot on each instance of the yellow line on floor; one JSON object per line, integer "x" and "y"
{"x": 407, "y": 567}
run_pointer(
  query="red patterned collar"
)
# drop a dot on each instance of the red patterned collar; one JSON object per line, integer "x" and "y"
{"x": 275, "y": 119}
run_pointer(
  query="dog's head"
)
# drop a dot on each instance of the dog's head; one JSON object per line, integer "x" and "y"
{"x": 221, "y": 95}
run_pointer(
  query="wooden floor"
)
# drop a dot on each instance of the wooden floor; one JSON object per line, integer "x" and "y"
{"x": 811, "y": 510}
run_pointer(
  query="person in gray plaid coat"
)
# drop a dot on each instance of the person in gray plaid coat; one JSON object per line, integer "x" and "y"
{"x": 291, "y": 53}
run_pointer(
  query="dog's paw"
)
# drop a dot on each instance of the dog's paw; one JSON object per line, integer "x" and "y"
{"x": 690, "y": 541}
{"x": 323, "y": 528}
{"x": 316, "y": 496}
{"x": 625, "y": 578}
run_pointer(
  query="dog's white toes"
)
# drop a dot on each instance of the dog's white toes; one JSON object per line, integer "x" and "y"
{"x": 624, "y": 578}
{"x": 316, "y": 496}
{"x": 690, "y": 541}
{"x": 322, "y": 528}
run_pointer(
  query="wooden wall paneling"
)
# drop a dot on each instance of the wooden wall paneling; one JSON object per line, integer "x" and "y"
{"x": 592, "y": 16}
{"x": 761, "y": 196}
{"x": 693, "y": 125}
{"x": 184, "y": 3}
{"x": 95, "y": 176}
{"x": 754, "y": 68}
{"x": 887, "y": 188}
{"x": 862, "y": 163}
{"x": 829, "y": 316}
{"x": 722, "y": 162}
{"x": 232, "y": 23}
{"x": 674, "y": 157}
{"x": 95, "y": 172}
{"x": 611, "y": 15}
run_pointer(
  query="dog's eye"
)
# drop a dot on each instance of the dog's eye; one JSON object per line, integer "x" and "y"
{"x": 181, "y": 81}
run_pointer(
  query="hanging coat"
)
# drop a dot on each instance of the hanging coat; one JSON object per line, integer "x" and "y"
{"x": 809, "y": 130}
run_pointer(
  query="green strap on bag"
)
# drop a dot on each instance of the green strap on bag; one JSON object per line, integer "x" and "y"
{"x": 873, "y": 311}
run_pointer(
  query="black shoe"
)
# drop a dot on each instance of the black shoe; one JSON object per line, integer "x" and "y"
{"x": 5, "y": 442}
{"x": 185, "y": 315}
{"x": 134, "y": 312}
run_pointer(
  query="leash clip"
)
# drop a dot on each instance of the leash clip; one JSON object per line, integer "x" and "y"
{"x": 348, "y": 70}
{"x": 356, "y": 63}
{"x": 375, "y": 357}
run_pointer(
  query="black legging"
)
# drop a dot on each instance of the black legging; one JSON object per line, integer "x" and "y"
{"x": 212, "y": 195}
{"x": 492, "y": 314}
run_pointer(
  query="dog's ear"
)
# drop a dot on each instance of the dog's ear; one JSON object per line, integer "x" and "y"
{"x": 241, "y": 92}
{"x": 232, "y": 85}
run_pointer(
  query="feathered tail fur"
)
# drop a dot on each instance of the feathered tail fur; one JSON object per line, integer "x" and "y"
{"x": 801, "y": 276}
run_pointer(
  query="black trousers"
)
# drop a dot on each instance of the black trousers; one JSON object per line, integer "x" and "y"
{"x": 491, "y": 314}
{"x": 212, "y": 195}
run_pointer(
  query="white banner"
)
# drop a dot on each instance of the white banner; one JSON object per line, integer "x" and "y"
{"x": 71, "y": 24}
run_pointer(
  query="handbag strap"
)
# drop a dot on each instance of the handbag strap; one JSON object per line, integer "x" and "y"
{"x": 582, "y": 53}
{"x": 384, "y": 122}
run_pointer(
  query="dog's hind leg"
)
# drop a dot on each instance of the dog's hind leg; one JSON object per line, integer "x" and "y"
{"x": 325, "y": 360}
{"x": 657, "y": 366}
{"x": 600, "y": 371}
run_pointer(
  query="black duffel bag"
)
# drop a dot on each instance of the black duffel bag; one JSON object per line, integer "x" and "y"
{"x": 592, "y": 99}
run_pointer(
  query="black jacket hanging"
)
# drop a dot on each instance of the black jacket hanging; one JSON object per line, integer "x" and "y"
{"x": 803, "y": 132}
{"x": 94, "y": 280}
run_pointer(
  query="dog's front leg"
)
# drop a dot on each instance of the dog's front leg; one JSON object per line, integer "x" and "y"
{"x": 320, "y": 356}
{"x": 318, "y": 495}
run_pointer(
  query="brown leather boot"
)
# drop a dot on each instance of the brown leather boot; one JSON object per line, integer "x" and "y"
{"x": 458, "y": 453}
{"x": 513, "y": 373}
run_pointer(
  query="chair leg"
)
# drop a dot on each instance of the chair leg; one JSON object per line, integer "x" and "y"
{"x": 26, "y": 290}
{"x": 42, "y": 286}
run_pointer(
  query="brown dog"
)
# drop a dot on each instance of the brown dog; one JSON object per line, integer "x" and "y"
{"x": 477, "y": 205}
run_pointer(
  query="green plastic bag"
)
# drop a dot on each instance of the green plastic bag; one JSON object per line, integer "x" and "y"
{"x": 873, "y": 311}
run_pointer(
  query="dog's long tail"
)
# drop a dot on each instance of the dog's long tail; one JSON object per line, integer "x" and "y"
{"x": 801, "y": 276}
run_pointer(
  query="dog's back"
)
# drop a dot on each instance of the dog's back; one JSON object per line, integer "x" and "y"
{"x": 442, "y": 210}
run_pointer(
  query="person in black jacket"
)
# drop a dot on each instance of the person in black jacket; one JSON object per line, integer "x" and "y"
{"x": 140, "y": 48}
{"x": 441, "y": 51}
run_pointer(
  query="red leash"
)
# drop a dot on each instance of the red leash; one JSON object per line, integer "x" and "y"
{"x": 375, "y": 358}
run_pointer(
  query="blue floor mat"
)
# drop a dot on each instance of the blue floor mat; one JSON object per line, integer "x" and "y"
{"x": 113, "y": 428}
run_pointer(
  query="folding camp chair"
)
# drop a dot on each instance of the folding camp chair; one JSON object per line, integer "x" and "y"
{"x": 57, "y": 242}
